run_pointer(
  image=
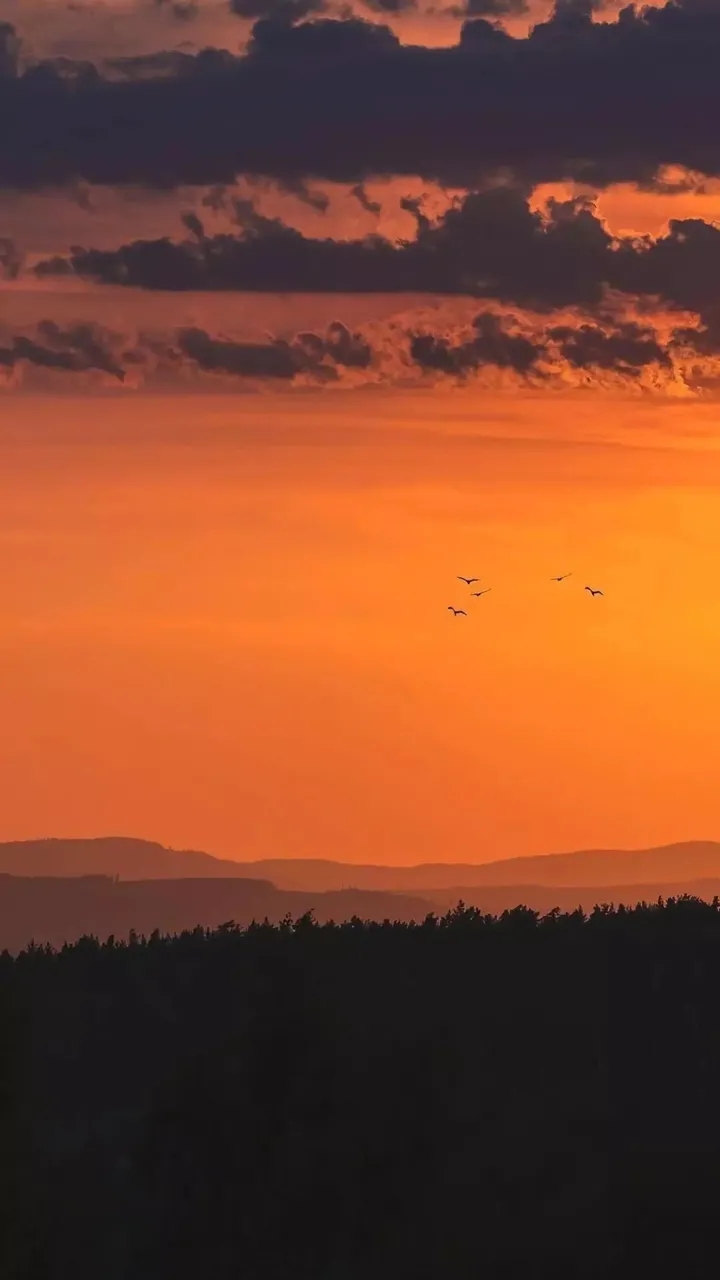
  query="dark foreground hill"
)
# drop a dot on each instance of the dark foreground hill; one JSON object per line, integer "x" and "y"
{"x": 465, "y": 1098}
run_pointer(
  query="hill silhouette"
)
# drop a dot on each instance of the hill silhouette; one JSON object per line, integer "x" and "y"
{"x": 591, "y": 868}
{"x": 123, "y": 856}
{"x": 60, "y": 910}
{"x": 63, "y": 909}
{"x": 135, "y": 859}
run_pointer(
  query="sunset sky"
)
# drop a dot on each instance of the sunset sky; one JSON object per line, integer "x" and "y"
{"x": 294, "y": 332}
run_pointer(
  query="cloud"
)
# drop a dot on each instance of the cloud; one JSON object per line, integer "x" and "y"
{"x": 11, "y": 260}
{"x": 309, "y": 353}
{"x": 352, "y": 40}
{"x": 628, "y": 348}
{"x": 595, "y": 101}
{"x": 9, "y": 51}
{"x": 490, "y": 346}
{"x": 86, "y": 348}
{"x": 391, "y": 6}
{"x": 181, "y": 10}
{"x": 79, "y": 348}
{"x": 297, "y": 187}
{"x": 615, "y": 350}
{"x": 360, "y": 194}
{"x": 488, "y": 244}
{"x": 491, "y": 9}
{"x": 244, "y": 359}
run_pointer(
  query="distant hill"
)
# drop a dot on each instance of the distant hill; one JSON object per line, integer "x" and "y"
{"x": 60, "y": 909}
{"x": 591, "y": 868}
{"x": 122, "y": 856}
{"x": 63, "y": 909}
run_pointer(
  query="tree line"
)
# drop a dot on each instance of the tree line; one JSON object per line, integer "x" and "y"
{"x": 467, "y": 1096}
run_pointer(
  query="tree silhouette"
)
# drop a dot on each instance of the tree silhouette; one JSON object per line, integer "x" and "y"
{"x": 463, "y": 1096}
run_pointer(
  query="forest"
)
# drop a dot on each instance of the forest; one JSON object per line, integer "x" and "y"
{"x": 462, "y": 1097}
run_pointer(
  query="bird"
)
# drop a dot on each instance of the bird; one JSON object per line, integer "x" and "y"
{"x": 561, "y": 577}
{"x": 481, "y": 593}
{"x": 457, "y": 611}
{"x": 594, "y": 592}
{"x": 469, "y": 581}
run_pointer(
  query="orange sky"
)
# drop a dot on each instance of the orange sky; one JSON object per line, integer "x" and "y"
{"x": 225, "y": 622}
{"x": 225, "y": 615}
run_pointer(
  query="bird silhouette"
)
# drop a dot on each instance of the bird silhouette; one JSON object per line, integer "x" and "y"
{"x": 457, "y": 611}
{"x": 594, "y": 592}
{"x": 481, "y": 593}
{"x": 469, "y": 581}
{"x": 561, "y": 577}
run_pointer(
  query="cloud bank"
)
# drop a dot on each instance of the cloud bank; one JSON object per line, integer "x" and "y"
{"x": 594, "y": 101}
{"x": 491, "y": 346}
{"x": 488, "y": 244}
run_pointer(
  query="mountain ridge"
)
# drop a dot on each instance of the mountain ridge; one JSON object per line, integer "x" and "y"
{"x": 584, "y": 868}
{"x": 132, "y": 858}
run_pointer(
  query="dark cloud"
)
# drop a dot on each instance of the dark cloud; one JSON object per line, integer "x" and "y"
{"x": 309, "y": 353}
{"x": 360, "y": 194}
{"x": 538, "y": 351}
{"x": 492, "y": 344}
{"x": 390, "y": 6}
{"x": 11, "y": 259}
{"x": 529, "y": 348}
{"x": 351, "y": 40}
{"x": 216, "y": 198}
{"x": 181, "y": 10}
{"x": 194, "y": 225}
{"x": 55, "y": 266}
{"x": 297, "y": 187}
{"x": 9, "y": 51}
{"x": 84, "y": 347}
{"x": 244, "y": 359}
{"x": 77, "y": 348}
{"x": 344, "y": 100}
{"x": 628, "y": 348}
{"x": 414, "y": 206}
{"x": 492, "y": 8}
{"x": 340, "y": 345}
{"x": 489, "y": 244}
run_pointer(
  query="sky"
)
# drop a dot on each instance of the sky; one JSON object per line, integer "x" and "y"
{"x": 305, "y": 310}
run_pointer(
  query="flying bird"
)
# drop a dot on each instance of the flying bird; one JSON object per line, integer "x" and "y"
{"x": 481, "y": 593}
{"x": 457, "y": 611}
{"x": 469, "y": 581}
{"x": 594, "y": 592}
{"x": 561, "y": 577}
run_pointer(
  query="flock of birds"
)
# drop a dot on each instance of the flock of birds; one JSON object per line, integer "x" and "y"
{"x": 594, "y": 591}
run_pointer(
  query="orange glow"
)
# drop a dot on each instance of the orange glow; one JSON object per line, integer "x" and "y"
{"x": 225, "y": 623}
{"x": 628, "y": 211}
